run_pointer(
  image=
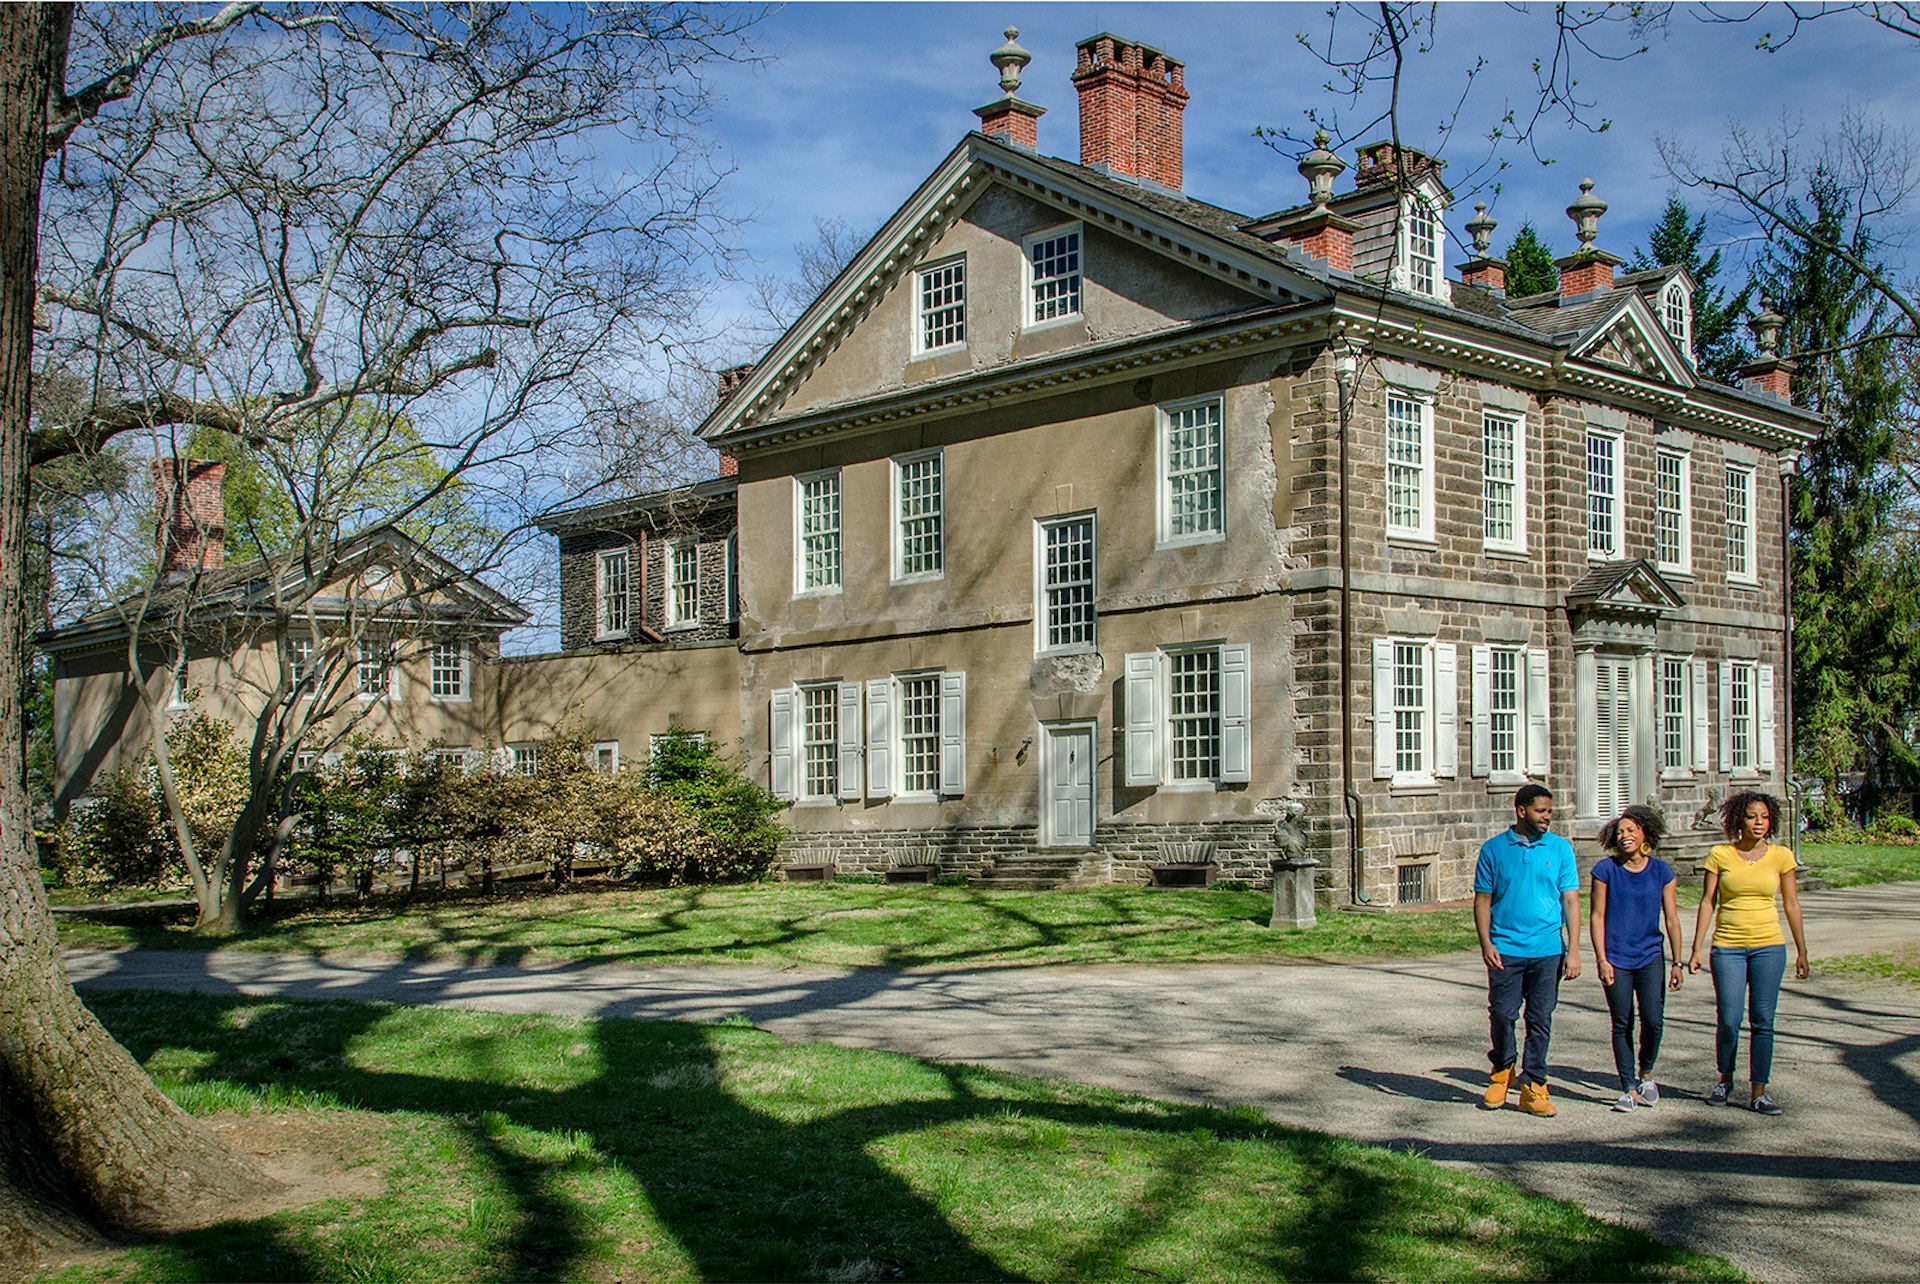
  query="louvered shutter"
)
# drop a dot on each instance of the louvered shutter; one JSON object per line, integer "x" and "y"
{"x": 880, "y": 738}
{"x": 953, "y": 734}
{"x": 1539, "y": 728}
{"x": 780, "y": 743}
{"x": 1383, "y": 708}
{"x": 1697, "y": 679}
{"x": 1446, "y": 705}
{"x": 1763, "y": 698}
{"x": 849, "y": 742}
{"x": 1726, "y": 716}
{"x": 1481, "y": 761}
{"x": 1236, "y": 705}
{"x": 1143, "y": 719}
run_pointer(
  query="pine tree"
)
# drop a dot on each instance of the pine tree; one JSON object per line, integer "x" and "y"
{"x": 1530, "y": 268}
{"x": 1676, "y": 240}
{"x": 1856, "y": 601}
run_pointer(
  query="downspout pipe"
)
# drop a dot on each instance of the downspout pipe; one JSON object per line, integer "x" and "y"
{"x": 1346, "y": 371}
{"x": 1790, "y": 465}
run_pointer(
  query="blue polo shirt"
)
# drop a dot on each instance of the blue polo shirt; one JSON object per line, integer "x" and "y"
{"x": 1526, "y": 877}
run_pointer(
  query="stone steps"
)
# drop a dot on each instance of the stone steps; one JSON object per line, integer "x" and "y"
{"x": 1034, "y": 872}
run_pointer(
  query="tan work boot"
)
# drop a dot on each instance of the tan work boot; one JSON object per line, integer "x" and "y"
{"x": 1497, "y": 1088}
{"x": 1535, "y": 1101}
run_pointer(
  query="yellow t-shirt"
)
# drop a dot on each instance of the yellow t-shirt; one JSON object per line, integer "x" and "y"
{"x": 1747, "y": 916}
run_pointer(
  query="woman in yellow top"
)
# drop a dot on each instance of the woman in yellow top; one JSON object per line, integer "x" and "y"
{"x": 1743, "y": 875}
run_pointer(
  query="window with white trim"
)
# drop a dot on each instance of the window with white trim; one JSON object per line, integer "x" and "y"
{"x": 940, "y": 304}
{"x": 1420, "y": 246}
{"x": 1741, "y": 566}
{"x": 525, "y": 758}
{"x": 920, "y": 733}
{"x": 1416, "y": 721}
{"x": 916, "y": 736}
{"x": 1510, "y": 730}
{"x": 817, "y": 514}
{"x": 1673, "y": 523}
{"x": 1603, "y": 494}
{"x": 611, "y": 586}
{"x": 731, "y": 593}
{"x": 1188, "y": 716}
{"x": 1192, "y": 472}
{"x": 1053, "y": 275}
{"x": 1066, "y": 583}
{"x": 178, "y": 692}
{"x": 1740, "y": 718}
{"x": 605, "y": 756}
{"x": 819, "y": 742}
{"x": 814, "y": 742}
{"x": 375, "y": 669}
{"x": 1746, "y": 717}
{"x": 681, "y": 601}
{"x": 1676, "y": 715}
{"x": 299, "y": 660}
{"x": 1676, "y": 314}
{"x": 1503, "y": 472}
{"x": 447, "y": 670}
{"x": 1409, "y": 465}
{"x": 919, "y": 516}
{"x": 659, "y": 739}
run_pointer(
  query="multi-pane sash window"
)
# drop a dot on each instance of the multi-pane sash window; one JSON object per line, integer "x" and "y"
{"x": 920, "y": 733}
{"x": 819, "y": 742}
{"x": 1675, "y": 722}
{"x": 376, "y": 660}
{"x": 1423, "y": 247}
{"x": 1066, "y": 583}
{"x": 447, "y": 671}
{"x": 1193, "y": 472}
{"x": 612, "y": 591}
{"x": 683, "y": 582}
{"x": 1603, "y": 494}
{"x": 1740, "y": 561}
{"x": 1502, "y": 460}
{"x": 1409, "y": 708}
{"x": 1673, "y": 526}
{"x": 1053, "y": 261}
{"x": 819, "y": 532}
{"x": 299, "y": 660}
{"x": 1193, "y": 694}
{"x": 943, "y": 305}
{"x": 919, "y": 514}
{"x": 177, "y": 699}
{"x": 1740, "y": 717}
{"x": 1675, "y": 314}
{"x": 1504, "y": 729}
{"x": 1409, "y": 471}
{"x": 526, "y": 759}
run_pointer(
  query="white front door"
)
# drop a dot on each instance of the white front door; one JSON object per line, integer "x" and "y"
{"x": 1066, "y": 785}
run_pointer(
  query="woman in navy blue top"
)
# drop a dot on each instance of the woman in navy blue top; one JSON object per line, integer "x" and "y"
{"x": 1632, "y": 899}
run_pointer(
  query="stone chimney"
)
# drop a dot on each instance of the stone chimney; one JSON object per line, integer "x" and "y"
{"x": 1131, "y": 100}
{"x": 1770, "y": 373}
{"x": 192, "y": 515}
{"x": 1009, "y": 118}
{"x": 1587, "y": 271}
{"x": 1490, "y": 274}
{"x": 1380, "y": 163}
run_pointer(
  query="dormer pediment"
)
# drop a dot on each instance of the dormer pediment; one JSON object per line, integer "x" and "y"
{"x": 1627, "y": 337}
{"x": 1630, "y": 588}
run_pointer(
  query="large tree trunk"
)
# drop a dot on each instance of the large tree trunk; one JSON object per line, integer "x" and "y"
{"x": 87, "y": 1143}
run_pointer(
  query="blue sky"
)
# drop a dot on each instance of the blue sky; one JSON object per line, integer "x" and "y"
{"x": 862, "y": 100}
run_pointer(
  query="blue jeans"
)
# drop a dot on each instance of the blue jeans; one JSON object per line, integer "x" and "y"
{"x": 1536, "y": 983}
{"x": 1747, "y": 977}
{"x": 1648, "y": 985}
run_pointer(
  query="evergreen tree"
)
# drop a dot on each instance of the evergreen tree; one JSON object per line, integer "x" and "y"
{"x": 1675, "y": 240}
{"x": 1530, "y": 268}
{"x": 1856, "y": 601}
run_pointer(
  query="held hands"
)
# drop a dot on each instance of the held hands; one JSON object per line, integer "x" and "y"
{"x": 1693, "y": 961}
{"x": 1674, "y": 976}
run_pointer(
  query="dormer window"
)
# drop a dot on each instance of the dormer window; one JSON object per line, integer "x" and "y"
{"x": 1420, "y": 236}
{"x": 940, "y": 299}
{"x": 1053, "y": 275}
{"x": 1676, "y": 313}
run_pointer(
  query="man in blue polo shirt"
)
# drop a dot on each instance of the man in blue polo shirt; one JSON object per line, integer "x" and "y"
{"x": 1526, "y": 905}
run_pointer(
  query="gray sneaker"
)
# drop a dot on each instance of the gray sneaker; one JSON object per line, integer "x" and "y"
{"x": 1764, "y": 1105}
{"x": 1717, "y": 1096}
{"x": 1649, "y": 1093}
{"x": 1626, "y": 1102}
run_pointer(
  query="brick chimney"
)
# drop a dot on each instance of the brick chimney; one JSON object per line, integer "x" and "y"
{"x": 1132, "y": 97}
{"x": 1380, "y": 163}
{"x": 1587, "y": 271}
{"x": 729, "y": 464}
{"x": 1009, "y": 118}
{"x": 1483, "y": 270}
{"x": 725, "y": 381}
{"x": 1317, "y": 230}
{"x": 1771, "y": 374}
{"x": 192, "y": 515}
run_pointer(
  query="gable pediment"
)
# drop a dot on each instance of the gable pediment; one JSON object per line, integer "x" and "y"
{"x": 1628, "y": 338}
{"x": 1631, "y": 588}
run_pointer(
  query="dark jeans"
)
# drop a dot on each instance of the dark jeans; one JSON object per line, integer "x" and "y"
{"x": 1746, "y": 977}
{"x": 1536, "y": 983}
{"x": 1648, "y": 985}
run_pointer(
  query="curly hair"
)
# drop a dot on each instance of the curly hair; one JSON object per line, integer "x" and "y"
{"x": 1646, "y": 817}
{"x": 1734, "y": 812}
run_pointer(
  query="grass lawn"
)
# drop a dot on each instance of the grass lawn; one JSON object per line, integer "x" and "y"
{"x": 1849, "y": 865}
{"x": 1902, "y": 964}
{"x": 463, "y": 1146}
{"x": 839, "y": 924}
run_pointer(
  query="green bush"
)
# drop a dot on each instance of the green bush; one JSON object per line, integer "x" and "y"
{"x": 735, "y": 814}
{"x": 1896, "y": 827}
{"x": 116, "y": 838}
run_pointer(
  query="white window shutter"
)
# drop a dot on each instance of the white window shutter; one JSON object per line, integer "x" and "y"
{"x": 1143, "y": 719}
{"x": 1539, "y": 728}
{"x": 780, "y": 738}
{"x": 1763, "y": 700}
{"x": 1726, "y": 716}
{"x": 880, "y": 738}
{"x": 1446, "y": 709}
{"x": 1383, "y": 708}
{"x": 1482, "y": 750}
{"x": 849, "y": 742}
{"x": 953, "y": 734}
{"x": 1702, "y": 755}
{"x": 1236, "y": 708}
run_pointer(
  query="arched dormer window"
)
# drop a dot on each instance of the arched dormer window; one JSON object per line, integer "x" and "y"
{"x": 1421, "y": 236}
{"x": 1676, "y": 313}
